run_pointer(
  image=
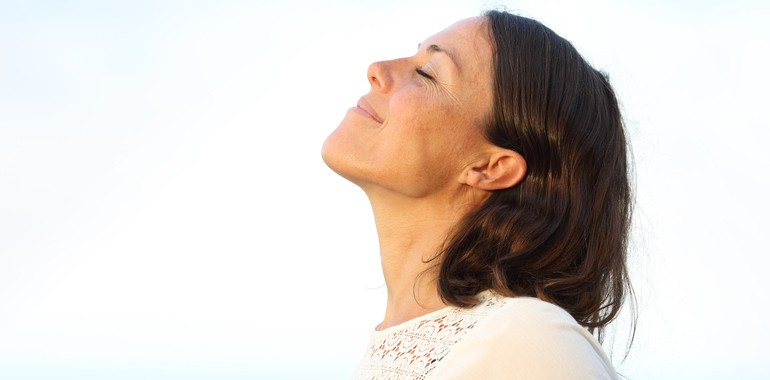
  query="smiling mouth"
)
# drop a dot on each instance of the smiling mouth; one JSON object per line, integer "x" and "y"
{"x": 364, "y": 106}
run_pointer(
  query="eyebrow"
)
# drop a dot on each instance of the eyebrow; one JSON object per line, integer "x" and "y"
{"x": 433, "y": 48}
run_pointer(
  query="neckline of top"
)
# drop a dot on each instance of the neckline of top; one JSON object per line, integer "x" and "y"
{"x": 483, "y": 297}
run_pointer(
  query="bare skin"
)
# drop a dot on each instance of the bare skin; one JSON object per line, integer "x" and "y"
{"x": 415, "y": 145}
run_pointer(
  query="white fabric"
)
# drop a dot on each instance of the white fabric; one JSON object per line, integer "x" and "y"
{"x": 501, "y": 338}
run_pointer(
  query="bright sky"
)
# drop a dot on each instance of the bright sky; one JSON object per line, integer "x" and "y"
{"x": 164, "y": 211}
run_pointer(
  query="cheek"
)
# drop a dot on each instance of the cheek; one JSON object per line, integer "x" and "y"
{"x": 432, "y": 136}
{"x": 422, "y": 111}
{"x": 432, "y": 120}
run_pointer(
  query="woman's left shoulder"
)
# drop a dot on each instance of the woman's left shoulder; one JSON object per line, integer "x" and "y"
{"x": 532, "y": 322}
{"x": 527, "y": 338}
{"x": 530, "y": 312}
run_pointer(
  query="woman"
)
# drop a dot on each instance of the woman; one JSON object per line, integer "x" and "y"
{"x": 495, "y": 163}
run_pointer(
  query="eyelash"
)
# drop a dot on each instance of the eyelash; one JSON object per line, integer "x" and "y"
{"x": 423, "y": 73}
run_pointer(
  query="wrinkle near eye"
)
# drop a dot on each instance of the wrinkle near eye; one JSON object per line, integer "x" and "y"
{"x": 449, "y": 90}
{"x": 437, "y": 88}
{"x": 452, "y": 94}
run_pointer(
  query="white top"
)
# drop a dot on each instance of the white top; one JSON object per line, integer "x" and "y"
{"x": 500, "y": 338}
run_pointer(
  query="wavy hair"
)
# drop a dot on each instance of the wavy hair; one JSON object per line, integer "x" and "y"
{"x": 561, "y": 233}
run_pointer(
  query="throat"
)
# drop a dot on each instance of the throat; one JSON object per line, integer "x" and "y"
{"x": 412, "y": 235}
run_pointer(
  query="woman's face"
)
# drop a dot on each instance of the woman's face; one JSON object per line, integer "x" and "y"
{"x": 421, "y": 122}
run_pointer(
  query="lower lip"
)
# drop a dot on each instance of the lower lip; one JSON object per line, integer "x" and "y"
{"x": 361, "y": 111}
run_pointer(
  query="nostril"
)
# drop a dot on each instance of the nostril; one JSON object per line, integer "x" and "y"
{"x": 377, "y": 75}
{"x": 373, "y": 79}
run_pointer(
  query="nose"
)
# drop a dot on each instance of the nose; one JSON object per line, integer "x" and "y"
{"x": 381, "y": 75}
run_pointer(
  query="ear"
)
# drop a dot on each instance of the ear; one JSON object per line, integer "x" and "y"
{"x": 500, "y": 169}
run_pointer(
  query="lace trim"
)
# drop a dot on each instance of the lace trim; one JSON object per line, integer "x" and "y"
{"x": 413, "y": 351}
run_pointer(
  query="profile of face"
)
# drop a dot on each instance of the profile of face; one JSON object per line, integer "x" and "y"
{"x": 421, "y": 124}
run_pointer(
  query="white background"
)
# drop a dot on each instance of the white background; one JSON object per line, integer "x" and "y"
{"x": 164, "y": 211}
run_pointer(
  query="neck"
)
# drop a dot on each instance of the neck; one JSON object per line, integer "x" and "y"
{"x": 412, "y": 232}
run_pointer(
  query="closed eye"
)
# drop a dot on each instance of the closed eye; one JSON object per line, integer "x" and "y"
{"x": 424, "y": 74}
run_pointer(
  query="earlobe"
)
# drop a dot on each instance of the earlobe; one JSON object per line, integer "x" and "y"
{"x": 501, "y": 170}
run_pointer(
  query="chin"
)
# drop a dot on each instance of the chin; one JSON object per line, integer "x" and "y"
{"x": 334, "y": 155}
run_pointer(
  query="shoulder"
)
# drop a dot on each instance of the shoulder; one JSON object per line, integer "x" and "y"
{"x": 526, "y": 338}
{"x": 531, "y": 318}
{"x": 529, "y": 310}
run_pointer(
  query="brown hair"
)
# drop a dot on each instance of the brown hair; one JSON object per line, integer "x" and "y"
{"x": 561, "y": 233}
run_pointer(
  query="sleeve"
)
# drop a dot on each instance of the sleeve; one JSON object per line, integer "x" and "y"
{"x": 527, "y": 339}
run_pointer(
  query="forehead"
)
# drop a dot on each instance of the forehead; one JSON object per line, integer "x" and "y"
{"x": 467, "y": 42}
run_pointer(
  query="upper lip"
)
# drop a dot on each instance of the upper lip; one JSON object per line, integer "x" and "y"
{"x": 364, "y": 105}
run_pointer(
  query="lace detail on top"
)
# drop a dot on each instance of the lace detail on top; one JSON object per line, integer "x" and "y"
{"x": 413, "y": 349}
